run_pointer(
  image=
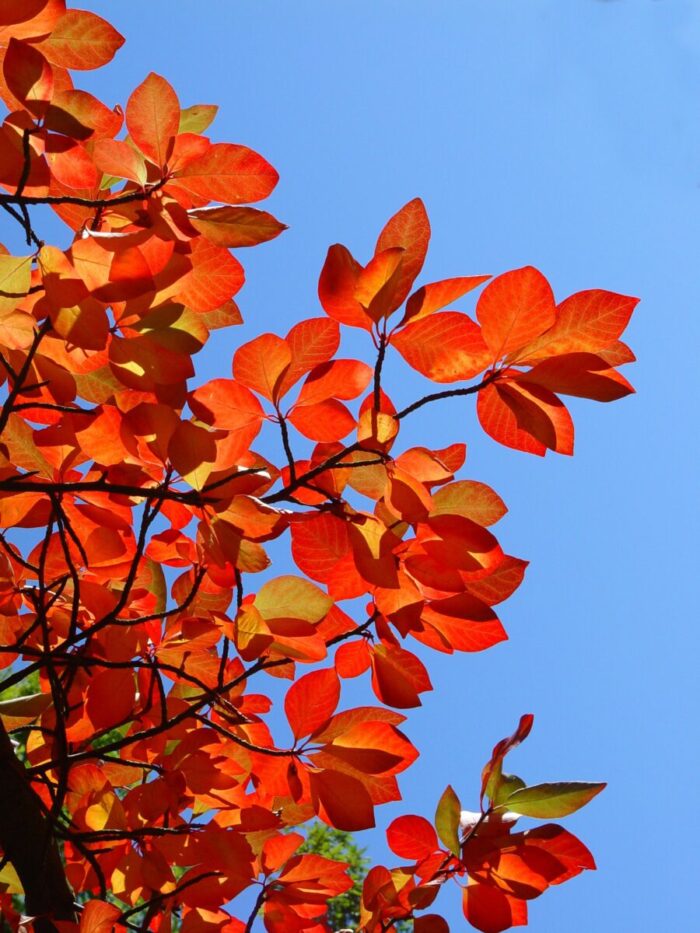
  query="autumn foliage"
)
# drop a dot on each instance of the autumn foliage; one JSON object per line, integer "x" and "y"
{"x": 147, "y": 787}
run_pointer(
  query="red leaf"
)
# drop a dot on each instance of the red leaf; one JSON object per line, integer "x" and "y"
{"x": 153, "y": 118}
{"x": 501, "y": 749}
{"x": 430, "y": 923}
{"x": 341, "y": 801}
{"x": 445, "y": 347}
{"x": 311, "y": 701}
{"x": 110, "y": 698}
{"x": 411, "y": 837}
{"x": 352, "y": 658}
{"x": 491, "y": 910}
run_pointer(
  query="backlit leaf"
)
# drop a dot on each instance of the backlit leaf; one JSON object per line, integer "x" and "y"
{"x": 81, "y": 40}
{"x": 235, "y": 226}
{"x": 408, "y": 229}
{"x": 311, "y": 701}
{"x": 447, "y": 818}
{"x": 411, "y": 837}
{"x": 153, "y": 118}
{"x": 547, "y": 801}
{"x": 514, "y": 309}
{"x": 227, "y": 173}
{"x": 445, "y": 347}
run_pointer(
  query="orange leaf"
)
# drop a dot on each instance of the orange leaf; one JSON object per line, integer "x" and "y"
{"x": 312, "y": 342}
{"x": 118, "y": 158}
{"x": 70, "y": 163}
{"x": 318, "y": 543}
{"x": 500, "y": 422}
{"x": 463, "y": 623}
{"x": 190, "y": 447}
{"x": 581, "y": 374}
{"x": 228, "y": 173}
{"x": 500, "y": 583}
{"x": 344, "y": 379}
{"x": 408, "y": 229}
{"x": 81, "y": 115}
{"x": 352, "y": 658}
{"x": 377, "y": 282}
{"x": 153, "y": 118}
{"x": 215, "y": 277}
{"x": 471, "y": 499}
{"x": 541, "y": 414}
{"x": 261, "y": 363}
{"x": 226, "y": 404}
{"x": 437, "y": 295}
{"x": 341, "y": 801}
{"x": 323, "y": 421}
{"x": 445, "y": 347}
{"x": 587, "y": 322}
{"x": 82, "y": 41}
{"x": 98, "y": 917}
{"x": 29, "y": 76}
{"x": 311, "y": 701}
{"x": 235, "y": 226}
{"x": 336, "y": 288}
{"x": 398, "y": 676}
{"x": 514, "y": 309}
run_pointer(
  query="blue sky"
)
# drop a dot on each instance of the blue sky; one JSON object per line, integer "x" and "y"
{"x": 566, "y": 134}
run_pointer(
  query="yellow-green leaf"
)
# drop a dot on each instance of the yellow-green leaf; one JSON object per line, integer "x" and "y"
{"x": 447, "y": 819}
{"x": 547, "y": 801}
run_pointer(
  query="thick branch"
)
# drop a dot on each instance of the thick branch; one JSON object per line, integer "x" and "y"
{"x": 27, "y": 840}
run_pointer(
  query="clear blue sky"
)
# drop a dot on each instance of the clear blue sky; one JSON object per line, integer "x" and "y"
{"x": 566, "y": 134}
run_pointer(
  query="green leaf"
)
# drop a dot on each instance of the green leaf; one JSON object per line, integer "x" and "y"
{"x": 25, "y": 707}
{"x": 9, "y": 880}
{"x": 507, "y": 785}
{"x": 196, "y": 119}
{"x": 551, "y": 800}
{"x": 447, "y": 820}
